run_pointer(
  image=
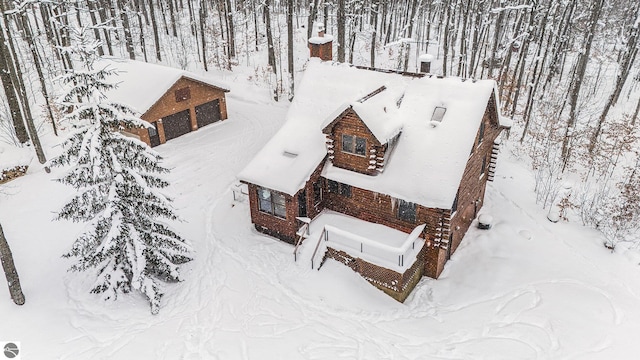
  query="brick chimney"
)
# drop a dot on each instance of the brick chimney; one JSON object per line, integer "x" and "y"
{"x": 320, "y": 44}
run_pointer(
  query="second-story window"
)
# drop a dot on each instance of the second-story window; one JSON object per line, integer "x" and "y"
{"x": 406, "y": 211}
{"x": 339, "y": 188}
{"x": 354, "y": 144}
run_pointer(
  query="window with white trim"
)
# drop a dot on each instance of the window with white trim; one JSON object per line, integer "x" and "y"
{"x": 272, "y": 202}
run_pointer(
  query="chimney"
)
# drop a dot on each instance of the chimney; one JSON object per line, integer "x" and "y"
{"x": 425, "y": 63}
{"x": 320, "y": 44}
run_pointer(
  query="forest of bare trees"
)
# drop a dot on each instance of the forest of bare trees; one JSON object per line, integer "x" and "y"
{"x": 566, "y": 70}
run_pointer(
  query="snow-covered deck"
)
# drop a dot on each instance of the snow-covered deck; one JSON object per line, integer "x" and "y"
{"x": 374, "y": 243}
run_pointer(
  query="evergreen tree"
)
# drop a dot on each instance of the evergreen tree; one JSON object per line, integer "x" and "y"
{"x": 118, "y": 182}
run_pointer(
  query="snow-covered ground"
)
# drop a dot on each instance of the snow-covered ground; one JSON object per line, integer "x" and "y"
{"x": 526, "y": 289}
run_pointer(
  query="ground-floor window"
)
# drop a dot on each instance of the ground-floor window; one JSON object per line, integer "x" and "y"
{"x": 272, "y": 202}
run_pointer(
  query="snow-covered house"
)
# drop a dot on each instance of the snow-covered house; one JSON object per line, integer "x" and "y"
{"x": 174, "y": 101}
{"x": 381, "y": 171}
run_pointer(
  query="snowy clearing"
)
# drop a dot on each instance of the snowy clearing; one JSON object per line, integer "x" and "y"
{"x": 526, "y": 289}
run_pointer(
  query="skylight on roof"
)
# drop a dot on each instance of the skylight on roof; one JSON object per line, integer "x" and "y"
{"x": 289, "y": 154}
{"x": 438, "y": 114}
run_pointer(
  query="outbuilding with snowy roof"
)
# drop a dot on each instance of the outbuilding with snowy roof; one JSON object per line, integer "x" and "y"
{"x": 175, "y": 102}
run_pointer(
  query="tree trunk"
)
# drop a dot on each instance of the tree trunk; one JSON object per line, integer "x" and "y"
{"x": 192, "y": 20}
{"x": 374, "y": 8}
{"x": 625, "y": 68}
{"x": 10, "y": 91}
{"x": 341, "y": 31}
{"x": 270, "y": 50}
{"x": 154, "y": 25}
{"x": 13, "y": 280}
{"x": 574, "y": 93}
{"x": 634, "y": 118}
{"x": 462, "y": 64}
{"x": 172, "y": 16}
{"x": 496, "y": 41}
{"x": 103, "y": 5}
{"x": 290, "y": 46}
{"x": 445, "y": 46}
{"x": 536, "y": 76}
{"x": 15, "y": 74}
{"x": 414, "y": 7}
{"x": 94, "y": 20}
{"x": 230, "y": 29}
{"x": 143, "y": 44}
{"x": 126, "y": 27}
{"x": 312, "y": 17}
{"x": 38, "y": 65}
{"x": 203, "y": 19}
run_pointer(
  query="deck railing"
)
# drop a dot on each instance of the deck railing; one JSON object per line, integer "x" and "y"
{"x": 355, "y": 244}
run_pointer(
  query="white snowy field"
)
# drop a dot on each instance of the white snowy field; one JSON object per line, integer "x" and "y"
{"x": 526, "y": 289}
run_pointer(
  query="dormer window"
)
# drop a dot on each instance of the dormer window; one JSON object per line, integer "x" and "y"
{"x": 354, "y": 145}
{"x": 438, "y": 114}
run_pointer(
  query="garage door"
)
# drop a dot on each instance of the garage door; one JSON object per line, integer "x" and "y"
{"x": 208, "y": 113}
{"x": 176, "y": 125}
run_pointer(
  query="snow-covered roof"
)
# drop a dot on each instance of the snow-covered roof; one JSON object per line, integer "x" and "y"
{"x": 426, "y": 58}
{"x": 428, "y": 161}
{"x": 318, "y": 36}
{"x": 319, "y": 40}
{"x": 378, "y": 110}
{"x": 141, "y": 84}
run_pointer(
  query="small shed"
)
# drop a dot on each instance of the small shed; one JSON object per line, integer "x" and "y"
{"x": 175, "y": 102}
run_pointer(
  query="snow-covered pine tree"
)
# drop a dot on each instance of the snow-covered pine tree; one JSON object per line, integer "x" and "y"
{"x": 118, "y": 182}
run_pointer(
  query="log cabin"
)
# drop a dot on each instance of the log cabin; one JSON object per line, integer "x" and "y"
{"x": 175, "y": 102}
{"x": 381, "y": 171}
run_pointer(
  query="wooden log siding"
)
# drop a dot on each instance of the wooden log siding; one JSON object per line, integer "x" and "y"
{"x": 286, "y": 229}
{"x": 349, "y": 123}
{"x": 283, "y": 229}
{"x": 382, "y": 209}
{"x": 473, "y": 184}
{"x": 199, "y": 93}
